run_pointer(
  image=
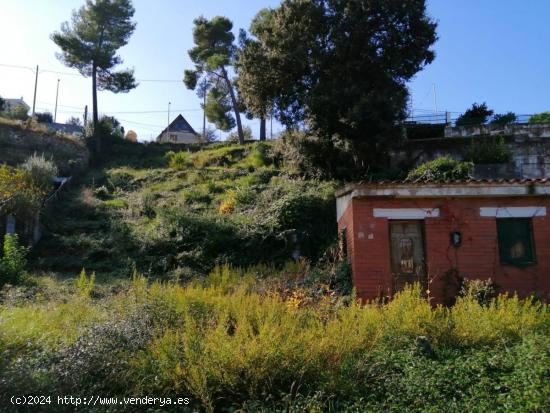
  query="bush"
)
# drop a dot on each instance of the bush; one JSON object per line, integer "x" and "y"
{"x": 543, "y": 117}
{"x": 19, "y": 112}
{"x": 42, "y": 171}
{"x": 488, "y": 151}
{"x": 19, "y": 194}
{"x": 483, "y": 291}
{"x": 13, "y": 261}
{"x": 85, "y": 284}
{"x": 179, "y": 160}
{"x": 228, "y": 347}
{"x": 444, "y": 168}
{"x": 504, "y": 119}
{"x": 45, "y": 117}
{"x": 98, "y": 360}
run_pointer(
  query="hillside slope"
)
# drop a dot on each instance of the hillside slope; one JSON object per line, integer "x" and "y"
{"x": 177, "y": 214}
{"x": 17, "y": 143}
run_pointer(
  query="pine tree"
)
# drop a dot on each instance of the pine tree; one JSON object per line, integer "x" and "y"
{"x": 90, "y": 42}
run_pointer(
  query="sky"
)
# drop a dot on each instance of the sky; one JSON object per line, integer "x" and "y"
{"x": 494, "y": 51}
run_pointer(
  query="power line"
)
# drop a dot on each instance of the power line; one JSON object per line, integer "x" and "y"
{"x": 117, "y": 112}
{"x": 79, "y": 75}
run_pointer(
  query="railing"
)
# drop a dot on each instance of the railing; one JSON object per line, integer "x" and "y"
{"x": 450, "y": 118}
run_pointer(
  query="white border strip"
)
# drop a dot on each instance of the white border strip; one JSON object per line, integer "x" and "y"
{"x": 405, "y": 213}
{"x": 513, "y": 212}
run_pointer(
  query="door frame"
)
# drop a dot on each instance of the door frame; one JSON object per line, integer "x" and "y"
{"x": 393, "y": 276}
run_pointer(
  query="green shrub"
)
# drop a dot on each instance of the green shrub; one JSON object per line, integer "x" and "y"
{"x": 196, "y": 195}
{"x": 543, "y": 117}
{"x": 85, "y": 284}
{"x": 441, "y": 169}
{"x": 226, "y": 346}
{"x": 41, "y": 170}
{"x": 488, "y": 151}
{"x": 244, "y": 196}
{"x": 13, "y": 261}
{"x": 99, "y": 359}
{"x": 19, "y": 112}
{"x": 179, "y": 160}
{"x": 121, "y": 180}
{"x": 504, "y": 119}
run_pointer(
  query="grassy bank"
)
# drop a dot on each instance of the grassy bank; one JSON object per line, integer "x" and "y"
{"x": 233, "y": 342}
{"x": 175, "y": 215}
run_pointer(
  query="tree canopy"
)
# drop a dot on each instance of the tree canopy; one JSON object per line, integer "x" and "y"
{"x": 89, "y": 43}
{"x": 213, "y": 53}
{"x": 338, "y": 66}
{"x": 476, "y": 115}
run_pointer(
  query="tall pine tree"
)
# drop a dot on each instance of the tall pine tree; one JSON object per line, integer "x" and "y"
{"x": 90, "y": 43}
{"x": 213, "y": 54}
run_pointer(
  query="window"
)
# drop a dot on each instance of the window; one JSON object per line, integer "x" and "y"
{"x": 173, "y": 137}
{"x": 515, "y": 241}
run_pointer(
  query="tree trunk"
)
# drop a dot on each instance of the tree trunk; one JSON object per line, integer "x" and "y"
{"x": 204, "y": 118}
{"x": 235, "y": 108}
{"x": 262, "y": 128}
{"x": 97, "y": 138}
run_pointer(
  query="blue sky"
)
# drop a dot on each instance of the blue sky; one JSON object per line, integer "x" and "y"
{"x": 493, "y": 51}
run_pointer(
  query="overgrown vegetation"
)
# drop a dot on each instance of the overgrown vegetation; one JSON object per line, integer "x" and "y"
{"x": 24, "y": 189}
{"x": 543, "y": 117}
{"x": 235, "y": 343}
{"x": 189, "y": 211}
{"x": 13, "y": 260}
{"x": 488, "y": 150}
{"x": 19, "y": 141}
{"x": 443, "y": 168}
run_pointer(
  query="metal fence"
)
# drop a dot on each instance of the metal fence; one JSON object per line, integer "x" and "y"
{"x": 450, "y": 118}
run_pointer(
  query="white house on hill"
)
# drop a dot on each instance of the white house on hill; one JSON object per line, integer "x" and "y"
{"x": 11, "y": 103}
{"x": 179, "y": 131}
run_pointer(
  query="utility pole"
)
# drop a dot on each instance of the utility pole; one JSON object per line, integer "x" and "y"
{"x": 85, "y": 118}
{"x": 35, "y": 86}
{"x": 56, "y": 96}
{"x": 168, "y": 127}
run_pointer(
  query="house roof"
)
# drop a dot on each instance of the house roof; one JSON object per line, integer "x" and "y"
{"x": 466, "y": 187}
{"x": 14, "y": 102}
{"x": 179, "y": 124}
{"x": 469, "y": 188}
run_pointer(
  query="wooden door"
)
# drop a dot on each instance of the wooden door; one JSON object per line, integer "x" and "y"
{"x": 407, "y": 253}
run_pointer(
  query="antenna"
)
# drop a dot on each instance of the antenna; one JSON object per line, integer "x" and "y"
{"x": 435, "y": 99}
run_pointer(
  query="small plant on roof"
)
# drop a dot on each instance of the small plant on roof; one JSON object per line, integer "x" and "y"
{"x": 444, "y": 168}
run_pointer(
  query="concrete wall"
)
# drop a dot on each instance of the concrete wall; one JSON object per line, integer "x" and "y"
{"x": 477, "y": 257}
{"x": 530, "y": 155}
{"x": 536, "y": 130}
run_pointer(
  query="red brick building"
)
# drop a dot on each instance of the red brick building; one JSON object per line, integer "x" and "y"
{"x": 397, "y": 232}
